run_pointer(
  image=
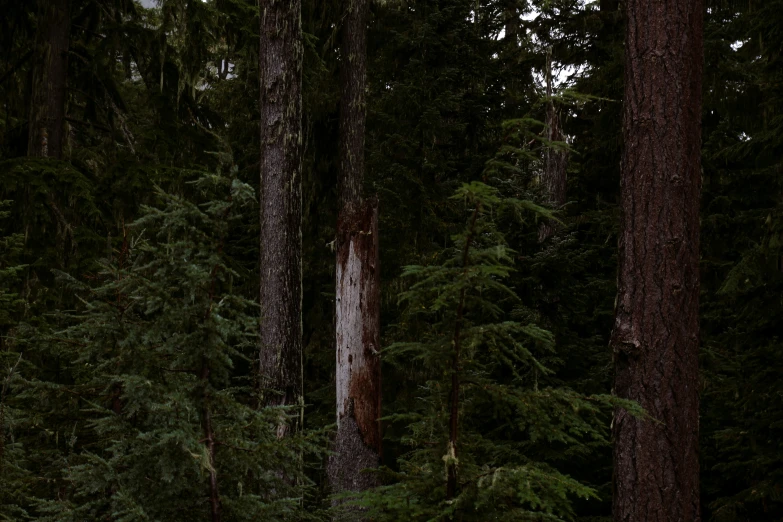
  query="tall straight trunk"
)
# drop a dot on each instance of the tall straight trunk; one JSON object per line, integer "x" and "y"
{"x": 655, "y": 340}
{"x": 280, "y": 71}
{"x": 554, "y": 176}
{"x": 357, "y": 444}
{"x": 47, "y": 108}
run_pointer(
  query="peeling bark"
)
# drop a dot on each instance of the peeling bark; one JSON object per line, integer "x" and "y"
{"x": 47, "y": 109}
{"x": 357, "y": 445}
{"x": 280, "y": 68}
{"x": 655, "y": 340}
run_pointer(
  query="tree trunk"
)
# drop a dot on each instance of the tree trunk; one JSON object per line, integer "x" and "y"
{"x": 555, "y": 171}
{"x": 358, "y": 375}
{"x": 47, "y": 108}
{"x": 655, "y": 340}
{"x": 280, "y": 71}
{"x": 357, "y": 445}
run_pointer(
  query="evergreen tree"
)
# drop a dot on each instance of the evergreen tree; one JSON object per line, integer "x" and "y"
{"x": 655, "y": 339}
{"x": 163, "y": 424}
{"x": 485, "y": 404}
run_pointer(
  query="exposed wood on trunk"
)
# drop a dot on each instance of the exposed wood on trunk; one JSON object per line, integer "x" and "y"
{"x": 554, "y": 175}
{"x": 280, "y": 371}
{"x": 655, "y": 340}
{"x": 47, "y": 107}
{"x": 357, "y": 445}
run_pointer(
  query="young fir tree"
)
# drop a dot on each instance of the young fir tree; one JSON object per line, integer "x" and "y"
{"x": 159, "y": 412}
{"x": 485, "y": 400}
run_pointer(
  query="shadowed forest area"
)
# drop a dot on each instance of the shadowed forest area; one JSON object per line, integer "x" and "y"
{"x": 391, "y": 260}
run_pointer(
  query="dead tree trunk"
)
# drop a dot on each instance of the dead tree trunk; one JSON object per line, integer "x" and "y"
{"x": 280, "y": 70}
{"x": 47, "y": 109}
{"x": 358, "y": 375}
{"x": 357, "y": 445}
{"x": 655, "y": 340}
{"x": 554, "y": 175}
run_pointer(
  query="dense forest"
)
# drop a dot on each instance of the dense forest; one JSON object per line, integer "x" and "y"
{"x": 391, "y": 260}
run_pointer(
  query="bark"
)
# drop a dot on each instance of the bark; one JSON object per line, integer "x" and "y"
{"x": 280, "y": 67}
{"x": 47, "y": 111}
{"x": 555, "y": 173}
{"x": 353, "y": 110}
{"x": 357, "y": 445}
{"x": 655, "y": 340}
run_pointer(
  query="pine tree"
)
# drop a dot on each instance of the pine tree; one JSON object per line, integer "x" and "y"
{"x": 159, "y": 399}
{"x": 485, "y": 407}
{"x": 655, "y": 340}
{"x": 47, "y": 108}
{"x": 280, "y": 70}
{"x": 357, "y": 317}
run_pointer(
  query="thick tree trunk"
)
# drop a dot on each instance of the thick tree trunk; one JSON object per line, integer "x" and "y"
{"x": 353, "y": 108}
{"x": 554, "y": 176}
{"x": 47, "y": 111}
{"x": 357, "y": 445}
{"x": 655, "y": 340}
{"x": 281, "y": 204}
{"x": 358, "y": 375}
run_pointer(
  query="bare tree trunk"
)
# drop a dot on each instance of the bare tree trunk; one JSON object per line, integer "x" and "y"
{"x": 47, "y": 108}
{"x": 555, "y": 173}
{"x": 655, "y": 340}
{"x": 280, "y": 70}
{"x": 357, "y": 445}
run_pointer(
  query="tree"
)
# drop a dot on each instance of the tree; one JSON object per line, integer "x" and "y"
{"x": 486, "y": 406}
{"x": 47, "y": 109}
{"x": 357, "y": 443}
{"x": 167, "y": 428}
{"x": 655, "y": 340}
{"x": 555, "y": 169}
{"x": 280, "y": 69}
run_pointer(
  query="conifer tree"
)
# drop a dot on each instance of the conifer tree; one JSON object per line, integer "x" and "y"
{"x": 47, "y": 108}
{"x": 280, "y": 70}
{"x": 486, "y": 405}
{"x": 358, "y": 368}
{"x": 655, "y": 341}
{"x": 163, "y": 427}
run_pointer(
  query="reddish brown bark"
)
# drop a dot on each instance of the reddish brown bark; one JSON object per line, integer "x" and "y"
{"x": 655, "y": 339}
{"x": 280, "y": 68}
{"x": 47, "y": 111}
{"x": 357, "y": 445}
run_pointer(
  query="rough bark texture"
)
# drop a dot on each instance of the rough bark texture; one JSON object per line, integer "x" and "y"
{"x": 47, "y": 109}
{"x": 655, "y": 339}
{"x": 353, "y": 109}
{"x": 357, "y": 445}
{"x": 555, "y": 173}
{"x": 281, "y": 203}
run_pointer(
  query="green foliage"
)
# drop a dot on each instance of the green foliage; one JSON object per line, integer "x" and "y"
{"x": 152, "y": 370}
{"x": 508, "y": 406}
